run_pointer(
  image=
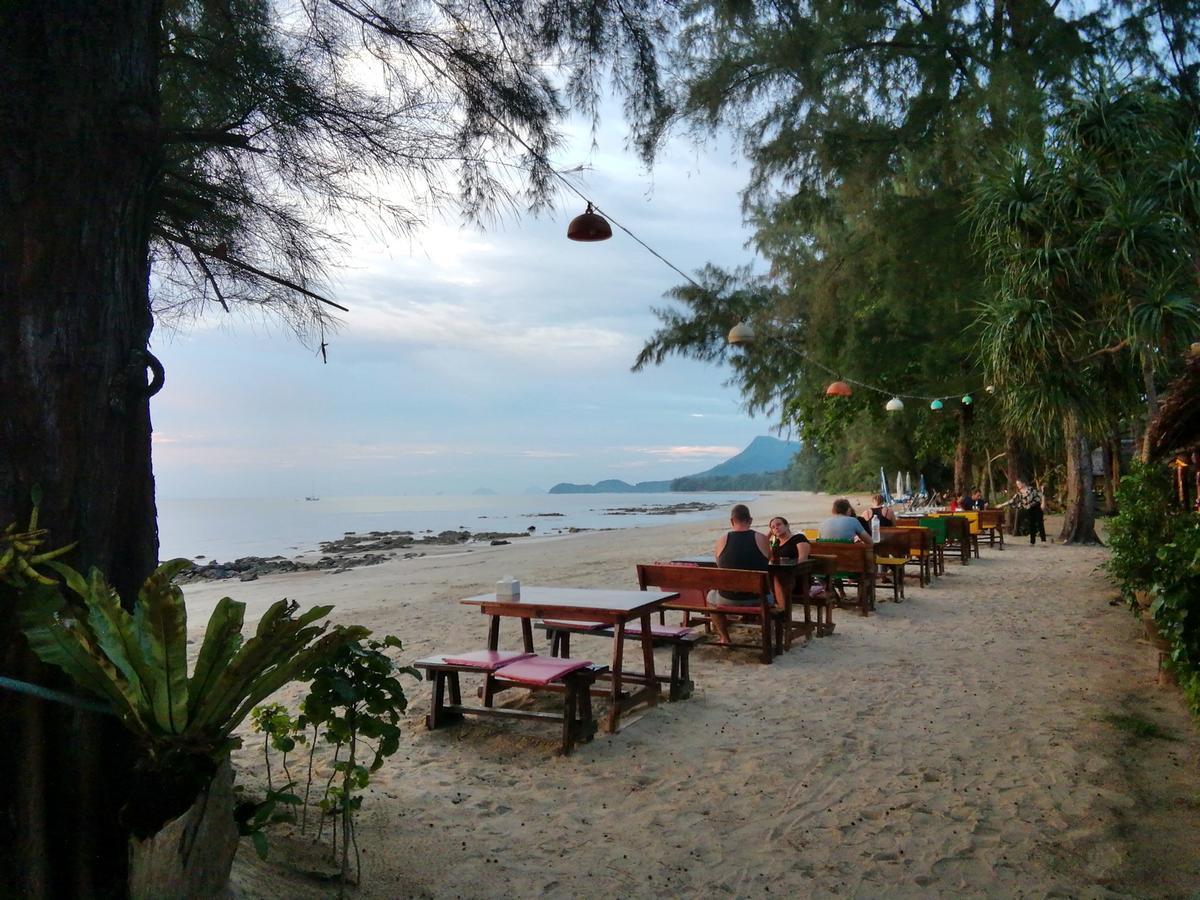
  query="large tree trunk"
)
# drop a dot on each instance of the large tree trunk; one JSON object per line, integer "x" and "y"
{"x": 1079, "y": 520}
{"x": 962, "y": 453}
{"x": 78, "y": 157}
{"x": 1014, "y": 467}
{"x": 1110, "y": 497}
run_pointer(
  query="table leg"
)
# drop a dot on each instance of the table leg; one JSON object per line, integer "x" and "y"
{"x": 494, "y": 633}
{"x": 527, "y": 634}
{"x": 648, "y": 659}
{"x": 614, "y": 709}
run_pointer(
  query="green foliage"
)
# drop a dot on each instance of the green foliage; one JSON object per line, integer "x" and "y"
{"x": 254, "y": 817}
{"x": 1176, "y": 606}
{"x": 356, "y": 696}
{"x": 1088, "y": 239}
{"x": 279, "y": 119}
{"x": 138, "y": 662}
{"x": 1146, "y": 520}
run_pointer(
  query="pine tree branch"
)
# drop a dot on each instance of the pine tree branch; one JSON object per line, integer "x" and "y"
{"x": 216, "y": 253}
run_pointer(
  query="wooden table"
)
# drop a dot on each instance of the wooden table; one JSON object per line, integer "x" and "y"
{"x": 608, "y": 607}
{"x": 783, "y": 576}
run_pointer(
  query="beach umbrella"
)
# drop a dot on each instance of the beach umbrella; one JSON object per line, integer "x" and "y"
{"x": 908, "y": 483}
{"x": 883, "y": 487}
{"x": 899, "y": 484}
{"x": 921, "y": 491}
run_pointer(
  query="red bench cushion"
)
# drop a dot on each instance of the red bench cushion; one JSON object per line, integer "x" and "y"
{"x": 486, "y": 660}
{"x": 541, "y": 669}
{"x": 663, "y": 631}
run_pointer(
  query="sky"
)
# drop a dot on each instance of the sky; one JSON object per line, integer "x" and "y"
{"x": 469, "y": 359}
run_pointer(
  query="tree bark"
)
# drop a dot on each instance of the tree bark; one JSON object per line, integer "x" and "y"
{"x": 962, "y": 452}
{"x": 78, "y": 160}
{"x": 1110, "y": 498}
{"x": 1151, "y": 392}
{"x": 1014, "y": 468}
{"x": 1079, "y": 519}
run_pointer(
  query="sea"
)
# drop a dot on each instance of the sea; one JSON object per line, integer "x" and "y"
{"x": 227, "y": 529}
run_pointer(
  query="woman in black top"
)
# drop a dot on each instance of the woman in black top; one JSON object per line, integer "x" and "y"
{"x": 785, "y": 544}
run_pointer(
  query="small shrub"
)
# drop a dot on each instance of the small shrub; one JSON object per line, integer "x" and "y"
{"x": 1144, "y": 522}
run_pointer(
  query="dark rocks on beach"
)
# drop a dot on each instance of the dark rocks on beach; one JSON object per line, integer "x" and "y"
{"x": 347, "y": 552}
{"x": 544, "y": 515}
{"x": 249, "y": 568}
{"x": 500, "y": 543}
{"x": 664, "y": 509}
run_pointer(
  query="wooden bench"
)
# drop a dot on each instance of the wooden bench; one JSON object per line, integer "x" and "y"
{"x": 503, "y": 670}
{"x": 855, "y": 561}
{"x": 914, "y": 543}
{"x": 680, "y": 639}
{"x": 991, "y": 523}
{"x": 958, "y": 536}
{"x": 892, "y": 552}
{"x": 802, "y": 595}
{"x": 699, "y": 580}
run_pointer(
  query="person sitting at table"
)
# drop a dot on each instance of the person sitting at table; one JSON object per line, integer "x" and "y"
{"x": 739, "y": 548}
{"x": 881, "y": 511}
{"x": 978, "y": 500}
{"x": 786, "y": 544}
{"x": 843, "y": 526}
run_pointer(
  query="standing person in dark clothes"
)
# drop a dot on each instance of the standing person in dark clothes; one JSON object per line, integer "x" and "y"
{"x": 1028, "y": 501}
{"x": 740, "y": 548}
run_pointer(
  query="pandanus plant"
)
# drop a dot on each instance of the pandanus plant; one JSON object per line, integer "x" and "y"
{"x": 137, "y": 661}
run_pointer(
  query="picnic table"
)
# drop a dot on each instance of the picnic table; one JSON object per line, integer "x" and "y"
{"x": 614, "y": 608}
{"x": 784, "y": 574}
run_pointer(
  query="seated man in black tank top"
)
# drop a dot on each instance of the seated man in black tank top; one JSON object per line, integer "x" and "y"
{"x": 740, "y": 548}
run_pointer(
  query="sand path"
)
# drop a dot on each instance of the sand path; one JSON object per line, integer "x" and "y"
{"x": 955, "y": 744}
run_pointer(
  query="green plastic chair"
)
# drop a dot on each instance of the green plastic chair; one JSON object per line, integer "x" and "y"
{"x": 937, "y": 526}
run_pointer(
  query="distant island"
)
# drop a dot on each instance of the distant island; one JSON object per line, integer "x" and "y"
{"x": 760, "y": 467}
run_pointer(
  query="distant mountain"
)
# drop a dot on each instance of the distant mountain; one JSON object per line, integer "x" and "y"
{"x": 612, "y": 486}
{"x": 763, "y": 455}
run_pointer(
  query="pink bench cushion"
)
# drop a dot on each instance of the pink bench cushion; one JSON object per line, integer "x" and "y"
{"x": 567, "y": 623}
{"x": 486, "y": 660}
{"x": 541, "y": 669}
{"x": 665, "y": 631}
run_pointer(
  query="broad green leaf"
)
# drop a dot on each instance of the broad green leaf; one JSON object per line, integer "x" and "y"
{"x": 64, "y": 642}
{"x": 294, "y": 664}
{"x": 160, "y": 622}
{"x": 113, "y": 628}
{"x": 222, "y": 638}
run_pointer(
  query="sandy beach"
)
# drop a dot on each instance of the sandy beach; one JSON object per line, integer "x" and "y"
{"x": 960, "y": 743}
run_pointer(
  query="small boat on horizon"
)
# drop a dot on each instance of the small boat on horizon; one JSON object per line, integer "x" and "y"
{"x": 312, "y": 498}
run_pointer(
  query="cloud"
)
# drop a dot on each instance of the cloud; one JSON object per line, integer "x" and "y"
{"x": 682, "y": 453}
{"x": 547, "y": 454}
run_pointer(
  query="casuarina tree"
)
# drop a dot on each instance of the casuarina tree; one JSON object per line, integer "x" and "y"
{"x": 203, "y": 147}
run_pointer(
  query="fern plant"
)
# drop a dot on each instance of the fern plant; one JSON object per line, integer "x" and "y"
{"x": 137, "y": 661}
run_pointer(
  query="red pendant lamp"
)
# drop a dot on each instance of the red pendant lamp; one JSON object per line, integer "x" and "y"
{"x": 589, "y": 226}
{"x": 838, "y": 389}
